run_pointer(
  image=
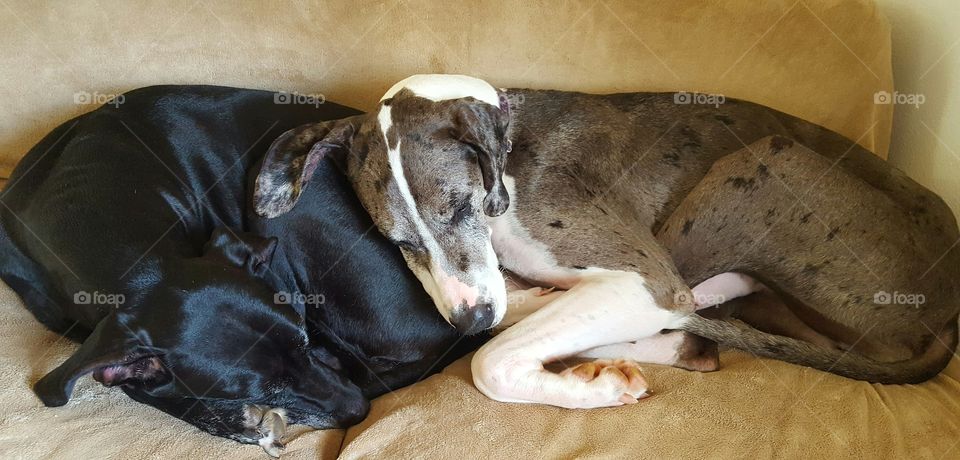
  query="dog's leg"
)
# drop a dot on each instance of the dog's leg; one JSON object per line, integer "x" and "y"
{"x": 834, "y": 248}
{"x": 523, "y": 302}
{"x": 768, "y": 313}
{"x": 688, "y": 351}
{"x": 605, "y": 307}
{"x": 724, "y": 288}
{"x": 678, "y": 348}
{"x": 672, "y": 348}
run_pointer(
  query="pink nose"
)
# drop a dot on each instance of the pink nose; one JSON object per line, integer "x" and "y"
{"x": 458, "y": 292}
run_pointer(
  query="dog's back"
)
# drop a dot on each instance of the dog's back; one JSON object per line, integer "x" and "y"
{"x": 99, "y": 202}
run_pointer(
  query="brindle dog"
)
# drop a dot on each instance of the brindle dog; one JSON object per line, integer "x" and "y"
{"x": 624, "y": 201}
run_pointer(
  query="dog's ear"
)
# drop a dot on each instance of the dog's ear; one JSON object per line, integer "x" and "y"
{"x": 110, "y": 356}
{"x": 292, "y": 159}
{"x": 484, "y": 127}
{"x": 241, "y": 249}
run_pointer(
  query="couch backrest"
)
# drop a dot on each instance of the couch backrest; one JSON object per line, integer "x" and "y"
{"x": 822, "y": 60}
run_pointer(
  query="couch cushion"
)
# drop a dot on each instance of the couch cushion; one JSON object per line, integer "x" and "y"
{"x": 751, "y": 408}
{"x": 821, "y": 60}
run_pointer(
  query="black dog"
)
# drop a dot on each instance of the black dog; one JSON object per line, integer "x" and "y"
{"x": 117, "y": 230}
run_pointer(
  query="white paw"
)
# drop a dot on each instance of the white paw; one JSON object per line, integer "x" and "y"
{"x": 615, "y": 382}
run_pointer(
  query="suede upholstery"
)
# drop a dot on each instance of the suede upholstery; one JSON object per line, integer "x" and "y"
{"x": 751, "y": 408}
{"x": 822, "y": 60}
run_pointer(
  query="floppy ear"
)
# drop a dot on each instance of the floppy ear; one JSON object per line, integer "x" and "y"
{"x": 485, "y": 128}
{"x": 241, "y": 249}
{"x": 291, "y": 161}
{"x": 109, "y": 355}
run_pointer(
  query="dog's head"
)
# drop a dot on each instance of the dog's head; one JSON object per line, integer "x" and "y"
{"x": 212, "y": 343}
{"x": 427, "y": 165}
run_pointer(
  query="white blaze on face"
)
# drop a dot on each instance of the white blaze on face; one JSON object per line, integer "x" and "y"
{"x": 447, "y": 291}
{"x": 442, "y": 87}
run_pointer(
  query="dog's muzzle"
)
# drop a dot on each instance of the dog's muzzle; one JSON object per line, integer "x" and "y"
{"x": 471, "y": 320}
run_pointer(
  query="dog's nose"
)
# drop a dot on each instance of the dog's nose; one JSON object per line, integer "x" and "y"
{"x": 354, "y": 413}
{"x": 471, "y": 320}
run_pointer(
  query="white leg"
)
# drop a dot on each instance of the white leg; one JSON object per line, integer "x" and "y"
{"x": 724, "y": 288}
{"x": 656, "y": 349}
{"x": 605, "y": 307}
{"x": 522, "y": 303}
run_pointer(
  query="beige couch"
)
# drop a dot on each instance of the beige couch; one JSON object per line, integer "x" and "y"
{"x": 822, "y": 60}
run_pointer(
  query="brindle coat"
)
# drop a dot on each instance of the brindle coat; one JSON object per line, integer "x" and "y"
{"x": 666, "y": 193}
{"x": 743, "y": 188}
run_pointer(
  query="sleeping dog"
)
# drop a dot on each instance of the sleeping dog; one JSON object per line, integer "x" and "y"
{"x": 124, "y": 229}
{"x": 626, "y": 200}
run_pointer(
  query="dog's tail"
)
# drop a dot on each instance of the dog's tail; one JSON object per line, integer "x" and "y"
{"x": 845, "y": 363}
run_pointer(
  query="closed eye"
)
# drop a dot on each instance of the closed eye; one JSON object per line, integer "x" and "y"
{"x": 461, "y": 212}
{"x": 404, "y": 244}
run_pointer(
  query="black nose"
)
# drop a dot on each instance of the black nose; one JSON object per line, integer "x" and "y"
{"x": 353, "y": 413}
{"x": 471, "y": 320}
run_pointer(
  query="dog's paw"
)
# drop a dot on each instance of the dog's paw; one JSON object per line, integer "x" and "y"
{"x": 269, "y": 424}
{"x": 622, "y": 380}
